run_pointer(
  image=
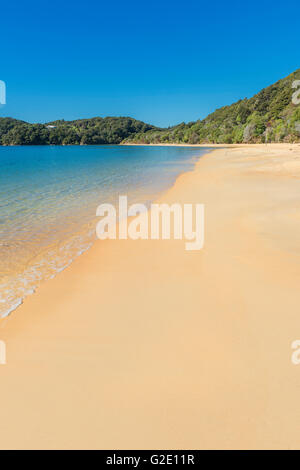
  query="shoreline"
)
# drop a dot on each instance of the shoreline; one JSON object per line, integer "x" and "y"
{"x": 282, "y": 145}
{"x": 85, "y": 238}
{"x": 242, "y": 145}
{"x": 139, "y": 344}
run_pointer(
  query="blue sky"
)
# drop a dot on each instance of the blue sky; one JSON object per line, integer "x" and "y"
{"x": 163, "y": 62}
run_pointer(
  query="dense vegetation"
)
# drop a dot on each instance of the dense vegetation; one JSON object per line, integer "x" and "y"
{"x": 109, "y": 130}
{"x": 270, "y": 116}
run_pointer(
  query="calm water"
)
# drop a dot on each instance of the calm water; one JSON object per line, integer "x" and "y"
{"x": 48, "y": 201}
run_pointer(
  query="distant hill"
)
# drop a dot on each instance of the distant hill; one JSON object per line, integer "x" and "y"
{"x": 270, "y": 116}
{"x": 95, "y": 131}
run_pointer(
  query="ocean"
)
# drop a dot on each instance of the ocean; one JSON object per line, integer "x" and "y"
{"x": 48, "y": 201}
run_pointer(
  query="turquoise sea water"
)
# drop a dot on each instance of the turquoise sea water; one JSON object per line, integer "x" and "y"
{"x": 48, "y": 201}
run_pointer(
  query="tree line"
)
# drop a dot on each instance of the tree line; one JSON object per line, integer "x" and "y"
{"x": 269, "y": 116}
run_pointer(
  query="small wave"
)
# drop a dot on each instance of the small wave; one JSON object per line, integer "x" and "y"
{"x": 15, "y": 289}
{"x": 13, "y": 307}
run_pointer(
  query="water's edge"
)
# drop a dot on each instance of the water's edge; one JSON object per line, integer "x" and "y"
{"x": 87, "y": 244}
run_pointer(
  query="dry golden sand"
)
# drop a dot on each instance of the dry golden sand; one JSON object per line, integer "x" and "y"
{"x": 141, "y": 344}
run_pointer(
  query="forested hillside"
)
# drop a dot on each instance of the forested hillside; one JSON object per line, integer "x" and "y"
{"x": 95, "y": 131}
{"x": 270, "y": 116}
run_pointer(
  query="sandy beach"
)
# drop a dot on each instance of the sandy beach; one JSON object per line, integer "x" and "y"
{"x": 144, "y": 345}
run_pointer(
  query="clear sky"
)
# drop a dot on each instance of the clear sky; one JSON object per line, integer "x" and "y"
{"x": 163, "y": 62}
